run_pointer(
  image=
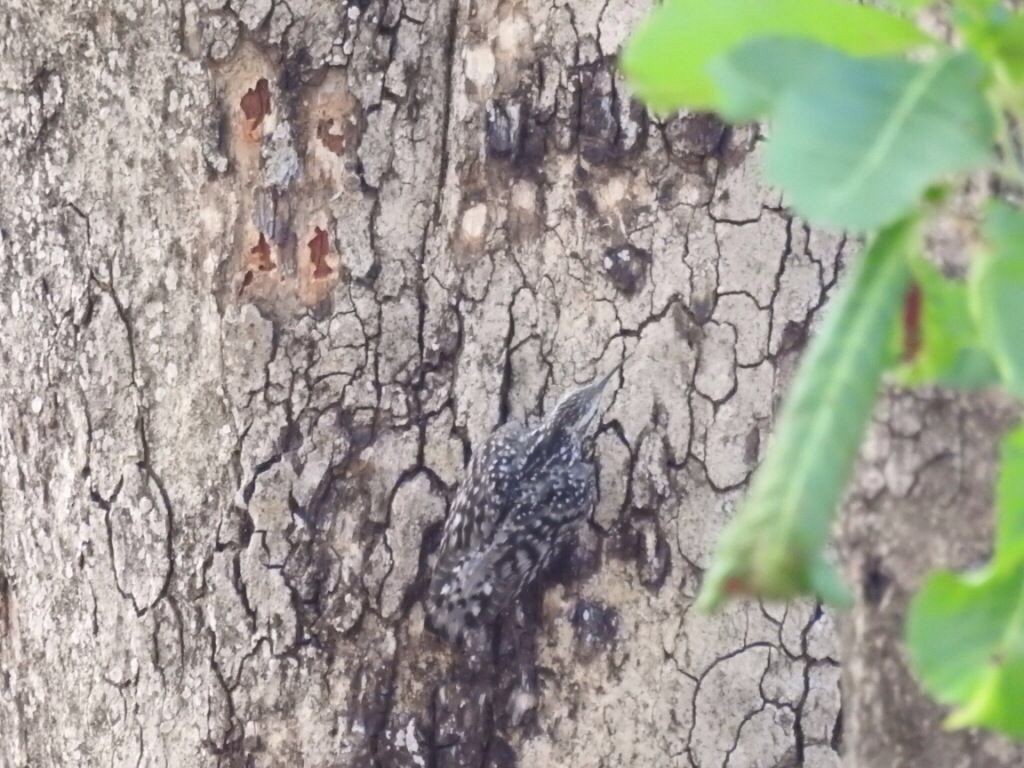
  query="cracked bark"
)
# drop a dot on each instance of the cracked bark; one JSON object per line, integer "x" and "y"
{"x": 269, "y": 271}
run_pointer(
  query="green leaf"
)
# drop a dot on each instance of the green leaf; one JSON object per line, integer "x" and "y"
{"x": 966, "y": 632}
{"x": 997, "y": 293}
{"x": 1009, "y": 46}
{"x": 751, "y": 77}
{"x": 999, "y": 39}
{"x": 666, "y": 60}
{"x": 1010, "y": 499}
{"x": 855, "y": 144}
{"x": 774, "y": 547}
{"x": 977, "y": 6}
{"x": 966, "y": 640}
{"x": 939, "y": 336}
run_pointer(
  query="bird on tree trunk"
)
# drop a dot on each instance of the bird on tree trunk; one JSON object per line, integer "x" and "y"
{"x": 523, "y": 495}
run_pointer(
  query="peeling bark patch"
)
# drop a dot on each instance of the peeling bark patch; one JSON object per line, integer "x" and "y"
{"x": 874, "y": 582}
{"x": 627, "y": 268}
{"x": 595, "y": 627}
{"x": 255, "y": 106}
{"x": 473, "y": 226}
{"x": 610, "y": 126}
{"x": 653, "y": 555}
{"x": 514, "y": 135}
{"x": 504, "y": 129}
{"x": 694, "y": 136}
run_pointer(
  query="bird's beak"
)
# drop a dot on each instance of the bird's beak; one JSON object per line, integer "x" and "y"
{"x": 608, "y": 377}
{"x": 592, "y": 393}
{"x": 596, "y": 387}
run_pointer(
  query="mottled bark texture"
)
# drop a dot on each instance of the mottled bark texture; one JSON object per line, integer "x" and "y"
{"x": 270, "y": 270}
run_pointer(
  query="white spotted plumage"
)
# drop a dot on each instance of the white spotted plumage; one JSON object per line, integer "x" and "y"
{"x": 523, "y": 493}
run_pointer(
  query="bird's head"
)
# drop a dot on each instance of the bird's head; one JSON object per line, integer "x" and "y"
{"x": 577, "y": 410}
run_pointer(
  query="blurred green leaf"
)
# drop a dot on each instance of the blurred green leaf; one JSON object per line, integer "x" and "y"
{"x": 975, "y": 8}
{"x": 966, "y": 632}
{"x": 939, "y": 336}
{"x": 999, "y": 39}
{"x": 997, "y": 293}
{"x": 966, "y": 640}
{"x": 751, "y": 77}
{"x": 1010, "y": 499}
{"x": 1008, "y": 46}
{"x": 914, "y": 4}
{"x": 855, "y": 144}
{"x": 666, "y": 59}
{"x": 774, "y": 547}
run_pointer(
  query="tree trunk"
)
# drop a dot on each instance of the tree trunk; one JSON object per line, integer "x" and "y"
{"x": 270, "y": 271}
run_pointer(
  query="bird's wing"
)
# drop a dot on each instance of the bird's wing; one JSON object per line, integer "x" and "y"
{"x": 487, "y": 493}
{"x": 472, "y": 587}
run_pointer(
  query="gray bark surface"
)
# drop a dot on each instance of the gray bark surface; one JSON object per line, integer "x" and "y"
{"x": 251, "y": 332}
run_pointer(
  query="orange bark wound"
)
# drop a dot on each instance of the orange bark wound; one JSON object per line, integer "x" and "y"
{"x": 912, "y": 322}
{"x": 259, "y": 256}
{"x": 335, "y": 142}
{"x": 255, "y": 106}
{"x": 319, "y": 247}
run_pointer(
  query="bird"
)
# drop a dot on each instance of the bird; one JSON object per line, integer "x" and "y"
{"x": 522, "y": 496}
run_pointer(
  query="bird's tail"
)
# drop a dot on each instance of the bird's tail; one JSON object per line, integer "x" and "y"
{"x": 470, "y": 589}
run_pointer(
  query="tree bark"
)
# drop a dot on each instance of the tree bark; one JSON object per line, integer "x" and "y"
{"x": 270, "y": 271}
